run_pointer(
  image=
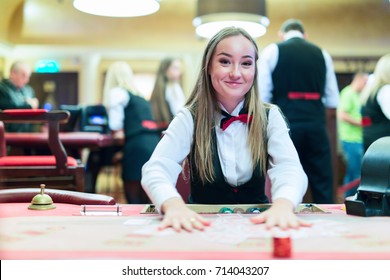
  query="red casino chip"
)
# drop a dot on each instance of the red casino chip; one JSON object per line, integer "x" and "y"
{"x": 282, "y": 247}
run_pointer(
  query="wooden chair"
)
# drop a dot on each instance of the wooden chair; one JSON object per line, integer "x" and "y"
{"x": 57, "y": 170}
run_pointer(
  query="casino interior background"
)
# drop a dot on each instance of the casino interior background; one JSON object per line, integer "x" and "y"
{"x": 355, "y": 32}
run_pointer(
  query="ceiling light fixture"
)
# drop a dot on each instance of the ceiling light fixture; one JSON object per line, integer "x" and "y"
{"x": 117, "y": 8}
{"x": 213, "y": 15}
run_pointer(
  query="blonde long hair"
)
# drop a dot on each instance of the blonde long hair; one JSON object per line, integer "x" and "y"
{"x": 204, "y": 106}
{"x": 119, "y": 74}
{"x": 381, "y": 78}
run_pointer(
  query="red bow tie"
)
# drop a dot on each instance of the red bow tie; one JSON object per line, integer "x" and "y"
{"x": 225, "y": 122}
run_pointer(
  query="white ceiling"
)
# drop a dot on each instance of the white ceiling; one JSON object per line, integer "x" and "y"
{"x": 344, "y": 27}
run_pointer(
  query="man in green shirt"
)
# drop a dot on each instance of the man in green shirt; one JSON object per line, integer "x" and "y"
{"x": 350, "y": 128}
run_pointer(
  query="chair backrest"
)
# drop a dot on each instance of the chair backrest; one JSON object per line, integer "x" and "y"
{"x": 52, "y": 118}
{"x": 25, "y": 170}
{"x": 94, "y": 118}
{"x": 3, "y": 146}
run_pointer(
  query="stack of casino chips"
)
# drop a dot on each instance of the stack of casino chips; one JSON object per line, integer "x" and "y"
{"x": 281, "y": 246}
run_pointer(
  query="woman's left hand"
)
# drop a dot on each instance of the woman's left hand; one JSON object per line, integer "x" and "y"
{"x": 280, "y": 214}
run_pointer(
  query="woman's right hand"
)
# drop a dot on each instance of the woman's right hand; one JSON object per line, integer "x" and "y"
{"x": 178, "y": 216}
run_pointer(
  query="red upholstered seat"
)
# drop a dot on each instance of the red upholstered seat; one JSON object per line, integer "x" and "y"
{"x": 33, "y": 161}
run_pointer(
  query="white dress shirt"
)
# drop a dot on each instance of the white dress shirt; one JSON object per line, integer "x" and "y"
{"x": 118, "y": 100}
{"x": 268, "y": 61}
{"x": 383, "y": 98}
{"x": 287, "y": 178}
{"x": 175, "y": 97}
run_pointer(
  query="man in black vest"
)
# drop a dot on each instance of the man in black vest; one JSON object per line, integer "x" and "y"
{"x": 299, "y": 77}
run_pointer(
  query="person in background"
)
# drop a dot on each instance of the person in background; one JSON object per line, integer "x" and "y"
{"x": 299, "y": 77}
{"x": 130, "y": 117}
{"x": 15, "y": 93}
{"x": 350, "y": 129}
{"x": 376, "y": 103}
{"x": 167, "y": 97}
{"x": 231, "y": 140}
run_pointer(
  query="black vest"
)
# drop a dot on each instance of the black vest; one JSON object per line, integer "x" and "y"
{"x": 137, "y": 111}
{"x": 299, "y": 80}
{"x": 219, "y": 191}
{"x": 378, "y": 124}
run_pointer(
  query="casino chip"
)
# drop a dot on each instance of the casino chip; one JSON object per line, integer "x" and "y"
{"x": 238, "y": 210}
{"x": 255, "y": 210}
{"x": 282, "y": 247}
{"x": 225, "y": 210}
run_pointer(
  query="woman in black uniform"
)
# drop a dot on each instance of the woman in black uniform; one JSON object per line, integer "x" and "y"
{"x": 376, "y": 103}
{"x": 130, "y": 118}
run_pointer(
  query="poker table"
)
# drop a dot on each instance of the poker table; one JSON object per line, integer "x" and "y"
{"x": 75, "y": 232}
